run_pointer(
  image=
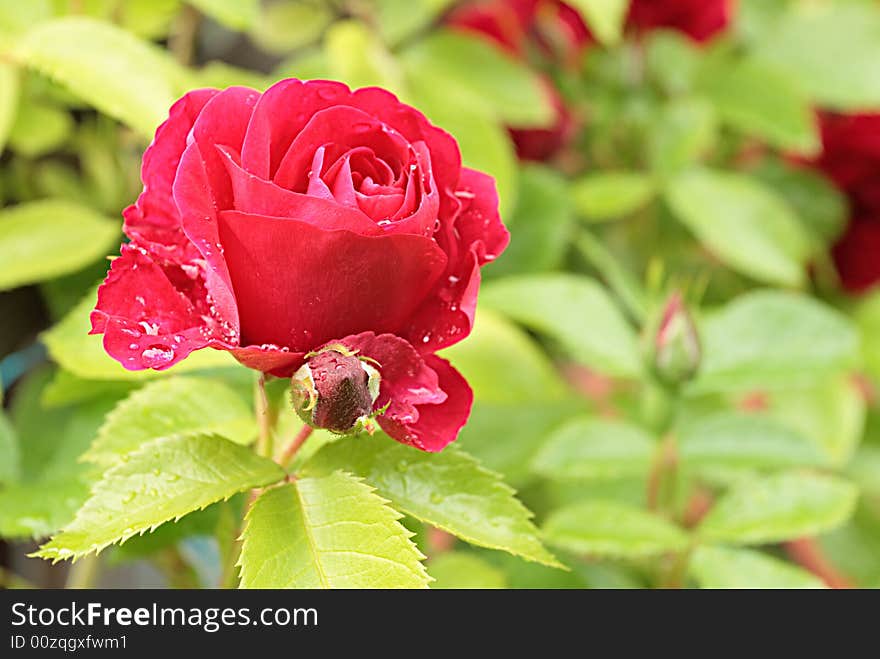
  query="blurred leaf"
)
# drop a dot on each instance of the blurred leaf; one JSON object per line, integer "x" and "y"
{"x": 832, "y": 49}
{"x": 449, "y": 490}
{"x": 540, "y": 224}
{"x": 163, "y": 480}
{"x": 9, "y": 452}
{"x": 53, "y": 483}
{"x": 612, "y": 530}
{"x": 761, "y": 101}
{"x": 70, "y": 345}
{"x": 357, "y": 57}
{"x": 779, "y": 507}
{"x": 682, "y": 132}
{"x": 67, "y": 389}
{"x": 502, "y": 364}
{"x": 747, "y": 226}
{"x": 114, "y": 71}
{"x": 174, "y": 406}
{"x": 459, "y": 569}
{"x": 222, "y": 75}
{"x": 588, "y": 448}
{"x": 235, "y": 14}
{"x": 574, "y": 310}
{"x": 748, "y": 441}
{"x": 17, "y": 17}
{"x": 718, "y": 567}
{"x": 671, "y": 58}
{"x": 605, "y": 17}
{"x": 149, "y": 19}
{"x": 9, "y": 88}
{"x": 44, "y": 239}
{"x": 609, "y": 195}
{"x": 868, "y": 318}
{"x": 772, "y": 339}
{"x": 284, "y": 26}
{"x": 619, "y": 277}
{"x": 302, "y": 535}
{"x": 39, "y": 129}
{"x": 399, "y": 19}
{"x": 815, "y": 199}
{"x": 467, "y": 72}
{"x": 831, "y": 414}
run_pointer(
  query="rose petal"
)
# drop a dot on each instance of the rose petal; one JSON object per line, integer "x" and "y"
{"x": 146, "y": 321}
{"x": 299, "y": 286}
{"x": 477, "y": 236}
{"x": 271, "y": 359}
{"x": 438, "y": 424}
{"x": 153, "y": 221}
{"x": 254, "y": 195}
{"x": 280, "y": 115}
{"x": 857, "y": 255}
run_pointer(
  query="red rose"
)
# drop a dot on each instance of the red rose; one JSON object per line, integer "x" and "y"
{"x": 549, "y": 31}
{"x": 273, "y": 224}
{"x": 699, "y": 19}
{"x": 851, "y": 158}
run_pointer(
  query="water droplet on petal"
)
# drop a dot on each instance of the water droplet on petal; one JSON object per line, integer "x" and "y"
{"x": 157, "y": 355}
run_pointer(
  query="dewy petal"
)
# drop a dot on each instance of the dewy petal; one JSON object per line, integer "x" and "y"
{"x": 476, "y": 237}
{"x": 146, "y": 321}
{"x": 271, "y": 359}
{"x": 153, "y": 221}
{"x": 299, "y": 286}
{"x": 438, "y": 424}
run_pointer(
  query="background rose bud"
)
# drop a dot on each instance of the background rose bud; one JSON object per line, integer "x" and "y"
{"x": 676, "y": 343}
{"x": 699, "y": 19}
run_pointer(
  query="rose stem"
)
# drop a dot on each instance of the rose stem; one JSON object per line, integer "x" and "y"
{"x": 291, "y": 449}
{"x": 809, "y": 555}
{"x": 264, "y": 419}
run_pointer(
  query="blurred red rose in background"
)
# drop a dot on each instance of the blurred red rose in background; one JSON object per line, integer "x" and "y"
{"x": 273, "y": 224}
{"x": 851, "y": 158}
{"x": 699, "y": 19}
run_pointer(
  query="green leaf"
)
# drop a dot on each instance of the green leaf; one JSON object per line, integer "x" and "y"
{"x": 44, "y": 239}
{"x": 502, "y": 364}
{"x": 761, "y": 101}
{"x": 284, "y": 26}
{"x": 449, "y": 490}
{"x": 608, "y": 529}
{"x": 606, "y": 18}
{"x": 672, "y": 59}
{"x": 832, "y": 49}
{"x": 867, "y": 316}
{"x": 17, "y": 17}
{"x": 52, "y": 483}
{"x": 173, "y": 406}
{"x": 779, "y": 507}
{"x": 459, "y": 569}
{"x": 587, "y": 448}
{"x": 39, "y": 129}
{"x": 574, "y": 310}
{"x": 397, "y": 19}
{"x": 682, "y": 133}
{"x": 747, "y": 226}
{"x": 235, "y": 14}
{"x": 82, "y": 355}
{"x": 109, "y": 68}
{"x": 831, "y": 414}
{"x": 467, "y": 72}
{"x": 163, "y": 480}
{"x": 617, "y": 274}
{"x": 817, "y": 202}
{"x": 609, "y": 195}
{"x": 719, "y": 567}
{"x": 357, "y": 57}
{"x": 9, "y": 452}
{"x": 773, "y": 339}
{"x": 540, "y": 225}
{"x": 327, "y": 532}
{"x": 747, "y": 441}
{"x": 9, "y": 88}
